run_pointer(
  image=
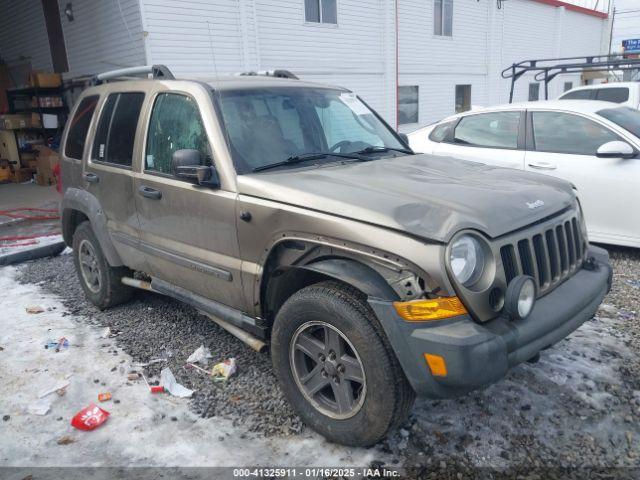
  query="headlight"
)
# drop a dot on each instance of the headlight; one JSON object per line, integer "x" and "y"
{"x": 467, "y": 260}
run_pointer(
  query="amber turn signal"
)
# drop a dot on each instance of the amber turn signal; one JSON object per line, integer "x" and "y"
{"x": 431, "y": 309}
{"x": 437, "y": 365}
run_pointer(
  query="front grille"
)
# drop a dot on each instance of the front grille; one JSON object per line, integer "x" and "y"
{"x": 549, "y": 254}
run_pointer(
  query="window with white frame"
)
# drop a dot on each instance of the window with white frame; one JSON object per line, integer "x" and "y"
{"x": 443, "y": 18}
{"x": 321, "y": 11}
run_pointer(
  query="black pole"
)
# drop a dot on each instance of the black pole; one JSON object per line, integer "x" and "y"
{"x": 513, "y": 81}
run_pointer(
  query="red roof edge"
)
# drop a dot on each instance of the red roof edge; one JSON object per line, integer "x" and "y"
{"x": 574, "y": 8}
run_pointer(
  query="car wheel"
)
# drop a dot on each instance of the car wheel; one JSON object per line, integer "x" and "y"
{"x": 102, "y": 283}
{"x": 336, "y": 366}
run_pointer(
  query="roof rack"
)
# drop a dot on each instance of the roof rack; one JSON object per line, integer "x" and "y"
{"x": 161, "y": 72}
{"x": 271, "y": 73}
{"x": 548, "y": 68}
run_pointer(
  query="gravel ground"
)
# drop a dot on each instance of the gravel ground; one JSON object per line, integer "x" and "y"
{"x": 577, "y": 408}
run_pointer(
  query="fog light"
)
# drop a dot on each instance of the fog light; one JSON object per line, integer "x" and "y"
{"x": 520, "y": 297}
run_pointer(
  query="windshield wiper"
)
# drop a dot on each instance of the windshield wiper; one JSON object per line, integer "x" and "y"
{"x": 373, "y": 149}
{"x": 305, "y": 157}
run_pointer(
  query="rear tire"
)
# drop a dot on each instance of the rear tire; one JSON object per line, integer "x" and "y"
{"x": 311, "y": 325}
{"x": 102, "y": 283}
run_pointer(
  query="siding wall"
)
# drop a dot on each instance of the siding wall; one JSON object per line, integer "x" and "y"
{"x": 485, "y": 41}
{"x": 104, "y": 35}
{"x": 243, "y": 35}
{"x": 23, "y": 34}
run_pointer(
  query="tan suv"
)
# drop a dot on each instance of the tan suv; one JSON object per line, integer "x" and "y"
{"x": 293, "y": 211}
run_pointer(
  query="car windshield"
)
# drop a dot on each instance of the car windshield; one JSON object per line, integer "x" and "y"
{"x": 625, "y": 117}
{"x": 266, "y": 126}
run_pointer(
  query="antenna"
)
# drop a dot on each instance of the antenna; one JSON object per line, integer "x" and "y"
{"x": 213, "y": 53}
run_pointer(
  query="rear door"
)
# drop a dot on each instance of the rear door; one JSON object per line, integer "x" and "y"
{"x": 494, "y": 138}
{"x": 564, "y": 145}
{"x": 108, "y": 171}
{"x": 188, "y": 232}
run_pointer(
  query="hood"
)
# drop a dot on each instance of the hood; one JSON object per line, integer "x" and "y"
{"x": 428, "y": 196}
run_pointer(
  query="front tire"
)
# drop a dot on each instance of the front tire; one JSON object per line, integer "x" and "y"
{"x": 336, "y": 367}
{"x": 102, "y": 283}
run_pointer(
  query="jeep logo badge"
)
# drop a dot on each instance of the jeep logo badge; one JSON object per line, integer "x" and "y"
{"x": 536, "y": 204}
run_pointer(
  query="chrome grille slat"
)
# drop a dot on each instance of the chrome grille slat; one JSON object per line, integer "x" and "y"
{"x": 549, "y": 253}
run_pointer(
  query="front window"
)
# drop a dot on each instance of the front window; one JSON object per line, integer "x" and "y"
{"x": 627, "y": 118}
{"x": 558, "y": 132}
{"x": 270, "y": 125}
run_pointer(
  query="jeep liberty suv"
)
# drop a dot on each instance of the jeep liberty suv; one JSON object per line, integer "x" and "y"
{"x": 293, "y": 211}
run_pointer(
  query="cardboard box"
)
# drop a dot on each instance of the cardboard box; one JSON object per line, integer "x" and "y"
{"x": 5, "y": 174}
{"x": 44, "y": 79}
{"x": 8, "y": 146}
{"x": 12, "y": 121}
{"x": 22, "y": 175}
{"x": 46, "y": 160}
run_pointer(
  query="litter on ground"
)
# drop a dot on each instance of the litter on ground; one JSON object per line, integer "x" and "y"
{"x": 40, "y": 406}
{"x": 103, "y": 397}
{"x": 201, "y": 355}
{"x": 223, "y": 370}
{"x": 57, "y": 345}
{"x": 89, "y": 418}
{"x": 170, "y": 384}
{"x": 35, "y": 309}
{"x": 61, "y": 385}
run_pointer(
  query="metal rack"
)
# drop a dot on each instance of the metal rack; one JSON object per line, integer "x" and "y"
{"x": 548, "y": 68}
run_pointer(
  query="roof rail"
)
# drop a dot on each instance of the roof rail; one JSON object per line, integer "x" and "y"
{"x": 272, "y": 73}
{"x": 157, "y": 71}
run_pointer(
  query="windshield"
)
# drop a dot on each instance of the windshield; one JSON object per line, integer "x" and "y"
{"x": 269, "y": 125}
{"x": 627, "y": 118}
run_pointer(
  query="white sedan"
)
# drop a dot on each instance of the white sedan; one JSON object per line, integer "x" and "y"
{"x": 594, "y": 145}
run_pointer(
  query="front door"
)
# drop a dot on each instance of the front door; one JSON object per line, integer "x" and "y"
{"x": 188, "y": 232}
{"x": 108, "y": 175}
{"x": 494, "y": 138}
{"x": 565, "y": 146}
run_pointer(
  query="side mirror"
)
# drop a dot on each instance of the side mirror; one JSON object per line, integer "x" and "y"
{"x": 616, "y": 149}
{"x": 185, "y": 164}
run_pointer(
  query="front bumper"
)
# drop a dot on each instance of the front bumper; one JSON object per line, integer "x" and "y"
{"x": 480, "y": 354}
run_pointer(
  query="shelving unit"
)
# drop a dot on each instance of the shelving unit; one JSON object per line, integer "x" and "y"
{"x": 21, "y": 101}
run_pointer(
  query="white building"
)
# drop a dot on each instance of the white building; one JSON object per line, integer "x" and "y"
{"x": 425, "y": 55}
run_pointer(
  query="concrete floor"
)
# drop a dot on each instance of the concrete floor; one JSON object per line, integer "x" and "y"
{"x": 28, "y": 195}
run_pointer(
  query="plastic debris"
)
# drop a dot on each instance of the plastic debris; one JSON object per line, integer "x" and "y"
{"x": 153, "y": 388}
{"x": 223, "y": 370}
{"x": 103, "y": 397}
{"x": 40, "y": 407}
{"x": 89, "y": 418}
{"x": 35, "y": 309}
{"x": 105, "y": 333}
{"x": 201, "y": 355}
{"x": 58, "y": 345}
{"x": 60, "y": 386}
{"x": 65, "y": 440}
{"x": 170, "y": 384}
{"x": 150, "y": 362}
{"x": 133, "y": 376}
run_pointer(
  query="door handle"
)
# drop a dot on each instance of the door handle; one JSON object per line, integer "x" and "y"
{"x": 150, "y": 192}
{"x": 542, "y": 165}
{"x": 91, "y": 177}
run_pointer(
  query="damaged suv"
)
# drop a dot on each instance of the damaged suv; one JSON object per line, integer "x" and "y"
{"x": 292, "y": 212}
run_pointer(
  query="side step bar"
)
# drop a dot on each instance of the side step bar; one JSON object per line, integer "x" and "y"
{"x": 212, "y": 309}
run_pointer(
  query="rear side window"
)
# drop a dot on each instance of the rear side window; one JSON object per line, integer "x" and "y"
{"x": 79, "y": 127}
{"x": 117, "y": 128}
{"x": 439, "y": 133}
{"x": 494, "y": 130}
{"x": 578, "y": 95}
{"x": 615, "y": 95}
